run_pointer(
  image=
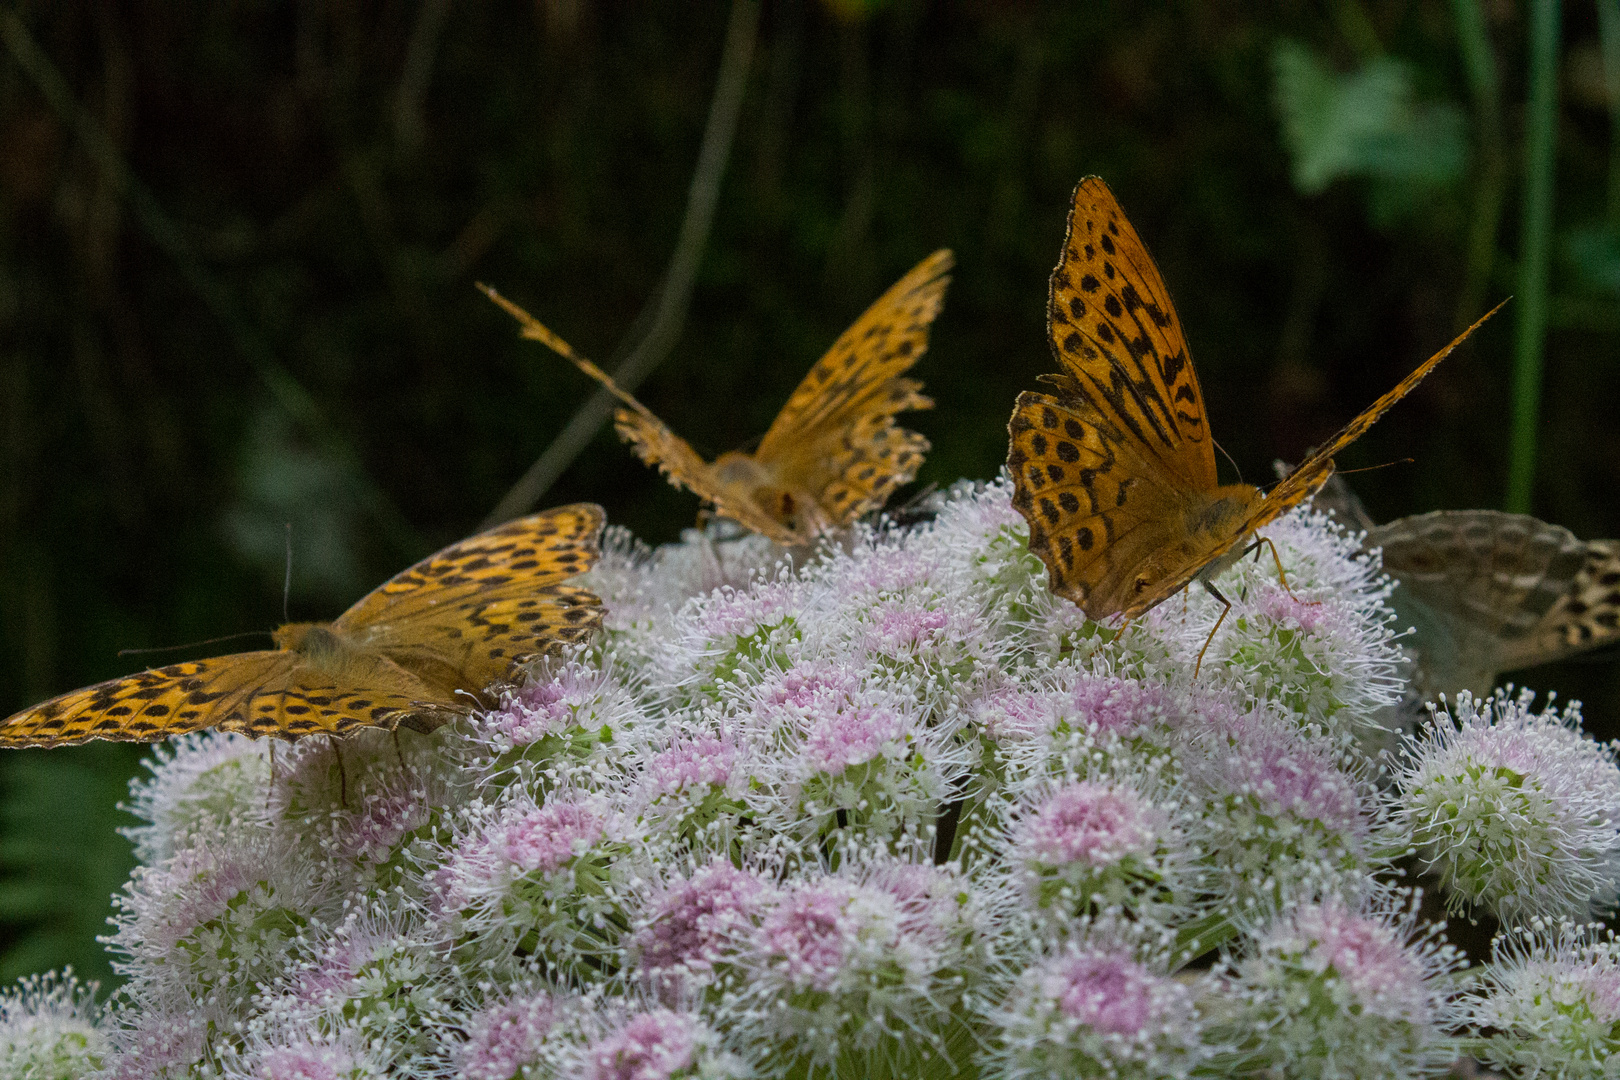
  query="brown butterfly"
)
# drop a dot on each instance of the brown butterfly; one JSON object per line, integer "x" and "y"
{"x": 420, "y": 650}
{"x": 1488, "y": 592}
{"x": 1115, "y": 472}
{"x": 834, "y": 452}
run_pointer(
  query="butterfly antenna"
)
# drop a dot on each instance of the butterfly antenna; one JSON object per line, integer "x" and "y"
{"x": 192, "y": 644}
{"x": 286, "y": 581}
{"x": 1230, "y": 458}
{"x": 1370, "y": 468}
{"x": 535, "y": 330}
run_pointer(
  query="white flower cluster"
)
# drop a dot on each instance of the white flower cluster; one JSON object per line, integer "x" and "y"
{"x": 896, "y": 811}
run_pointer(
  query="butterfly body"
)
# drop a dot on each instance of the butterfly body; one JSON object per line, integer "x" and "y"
{"x": 420, "y": 650}
{"x": 1115, "y": 471}
{"x": 834, "y": 452}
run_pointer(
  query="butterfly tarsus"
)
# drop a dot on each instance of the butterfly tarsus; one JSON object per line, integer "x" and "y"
{"x": 1226, "y": 607}
{"x": 1282, "y": 576}
{"x": 343, "y": 772}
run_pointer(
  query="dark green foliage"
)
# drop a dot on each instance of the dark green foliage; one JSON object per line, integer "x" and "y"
{"x": 61, "y": 856}
{"x": 331, "y": 201}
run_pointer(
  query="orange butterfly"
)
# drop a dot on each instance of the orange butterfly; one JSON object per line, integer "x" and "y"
{"x": 420, "y": 650}
{"x": 1115, "y": 472}
{"x": 834, "y": 452}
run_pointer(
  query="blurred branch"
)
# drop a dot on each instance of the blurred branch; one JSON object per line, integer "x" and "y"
{"x": 1541, "y": 124}
{"x": 669, "y": 304}
{"x": 418, "y": 71}
{"x": 1479, "y": 57}
{"x": 1609, "y": 34}
{"x": 216, "y": 296}
{"x": 1351, "y": 20}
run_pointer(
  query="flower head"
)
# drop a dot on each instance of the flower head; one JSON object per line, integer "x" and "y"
{"x": 504, "y": 1036}
{"x": 1349, "y": 991}
{"x": 1093, "y": 1009}
{"x": 652, "y": 1046}
{"x": 50, "y": 1029}
{"x": 692, "y": 924}
{"x": 1518, "y": 811}
{"x": 1552, "y": 997}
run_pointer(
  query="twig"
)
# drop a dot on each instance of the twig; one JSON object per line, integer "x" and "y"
{"x": 418, "y": 72}
{"x": 216, "y": 296}
{"x": 1541, "y": 120}
{"x": 1609, "y": 34}
{"x": 674, "y": 296}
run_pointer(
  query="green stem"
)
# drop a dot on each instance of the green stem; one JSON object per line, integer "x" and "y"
{"x": 1541, "y": 122}
{"x": 1609, "y": 36}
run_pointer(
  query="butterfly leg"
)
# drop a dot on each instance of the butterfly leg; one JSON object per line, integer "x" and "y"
{"x": 1226, "y": 607}
{"x": 343, "y": 773}
{"x": 1282, "y": 578}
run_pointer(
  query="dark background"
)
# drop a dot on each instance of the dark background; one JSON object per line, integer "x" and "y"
{"x": 300, "y": 195}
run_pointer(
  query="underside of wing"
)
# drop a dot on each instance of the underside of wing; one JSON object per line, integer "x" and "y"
{"x": 1586, "y": 616}
{"x": 858, "y": 375}
{"x": 1114, "y": 330}
{"x": 1097, "y": 514}
{"x": 1314, "y": 471}
{"x": 513, "y": 559}
{"x": 1501, "y": 573}
{"x": 151, "y": 705}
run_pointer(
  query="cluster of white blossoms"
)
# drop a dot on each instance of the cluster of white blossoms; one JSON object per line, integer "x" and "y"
{"x": 891, "y": 811}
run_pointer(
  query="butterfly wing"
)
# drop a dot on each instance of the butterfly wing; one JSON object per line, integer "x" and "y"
{"x": 1115, "y": 473}
{"x": 150, "y": 705}
{"x": 869, "y": 459}
{"x": 275, "y": 692}
{"x": 1586, "y": 616}
{"x": 1476, "y": 585}
{"x": 1099, "y": 509}
{"x": 1115, "y": 332}
{"x": 859, "y": 377}
{"x": 463, "y": 617}
{"x": 1314, "y": 471}
{"x": 834, "y": 452}
{"x": 651, "y": 439}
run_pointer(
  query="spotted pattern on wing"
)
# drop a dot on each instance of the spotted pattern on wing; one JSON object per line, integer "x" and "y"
{"x": 419, "y": 650}
{"x": 1113, "y": 329}
{"x": 860, "y": 375}
{"x": 1115, "y": 472}
{"x": 1588, "y": 615}
{"x": 834, "y": 452}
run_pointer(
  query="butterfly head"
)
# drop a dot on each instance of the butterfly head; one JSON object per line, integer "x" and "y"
{"x": 314, "y": 640}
